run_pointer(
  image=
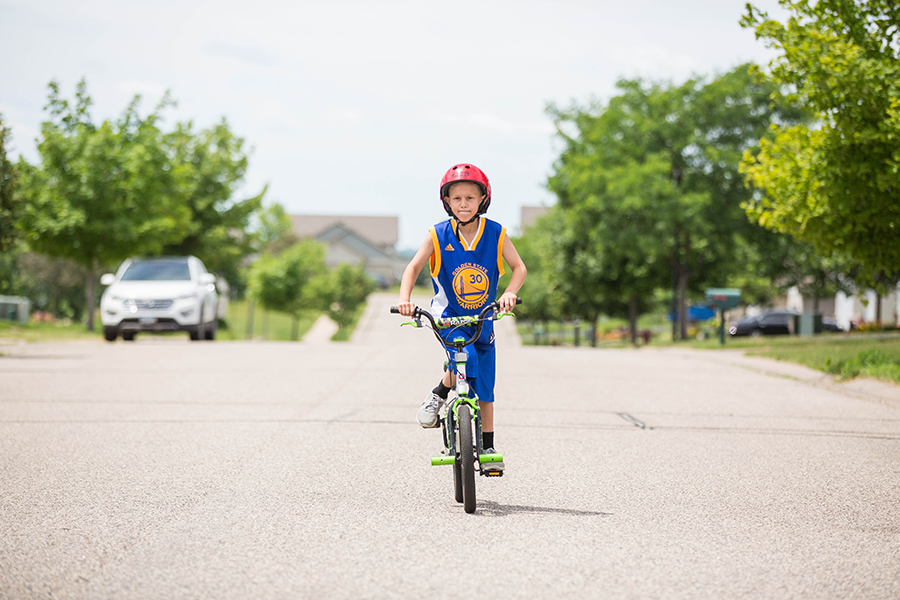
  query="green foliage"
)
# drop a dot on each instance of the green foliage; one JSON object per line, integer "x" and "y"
{"x": 835, "y": 183}
{"x": 10, "y": 201}
{"x": 207, "y": 166}
{"x": 348, "y": 289}
{"x": 55, "y": 285}
{"x": 648, "y": 188}
{"x": 539, "y": 302}
{"x": 101, "y": 193}
{"x": 292, "y": 281}
{"x": 273, "y": 229}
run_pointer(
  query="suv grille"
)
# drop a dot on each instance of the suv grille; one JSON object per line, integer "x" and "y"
{"x": 149, "y": 304}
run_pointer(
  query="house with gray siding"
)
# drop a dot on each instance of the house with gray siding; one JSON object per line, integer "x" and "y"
{"x": 356, "y": 239}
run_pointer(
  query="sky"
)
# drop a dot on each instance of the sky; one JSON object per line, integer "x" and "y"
{"x": 359, "y": 107}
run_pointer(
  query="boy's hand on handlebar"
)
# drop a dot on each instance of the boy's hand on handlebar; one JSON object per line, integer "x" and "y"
{"x": 507, "y": 302}
{"x": 407, "y": 309}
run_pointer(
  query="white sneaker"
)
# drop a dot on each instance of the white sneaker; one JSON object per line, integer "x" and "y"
{"x": 428, "y": 412}
{"x": 492, "y": 466}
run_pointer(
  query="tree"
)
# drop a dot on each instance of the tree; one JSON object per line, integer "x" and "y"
{"x": 102, "y": 193}
{"x": 602, "y": 264}
{"x": 835, "y": 183}
{"x": 273, "y": 229}
{"x": 652, "y": 186}
{"x": 207, "y": 167}
{"x": 348, "y": 289}
{"x": 539, "y": 304}
{"x": 293, "y": 281}
{"x": 54, "y": 285}
{"x": 10, "y": 202}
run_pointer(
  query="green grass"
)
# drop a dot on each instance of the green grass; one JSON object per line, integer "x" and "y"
{"x": 343, "y": 334}
{"x": 267, "y": 325}
{"x": 846, "y": 357}
{"x": 11, "y": 332}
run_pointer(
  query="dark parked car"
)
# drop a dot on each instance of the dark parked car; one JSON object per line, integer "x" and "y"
{"x": 829, "y": 324}
{"x": 770, "y": 322}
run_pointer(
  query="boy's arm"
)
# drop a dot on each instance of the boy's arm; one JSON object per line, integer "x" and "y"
{"x": 411, "y": 274}
{"x": 517, "y": 275}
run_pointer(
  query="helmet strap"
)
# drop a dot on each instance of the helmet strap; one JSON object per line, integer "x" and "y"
{"x": 461, "y": 223}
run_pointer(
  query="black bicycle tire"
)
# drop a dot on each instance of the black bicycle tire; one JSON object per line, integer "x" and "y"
{"x": 457, "y": 473}
{"x": 466, "y": 452}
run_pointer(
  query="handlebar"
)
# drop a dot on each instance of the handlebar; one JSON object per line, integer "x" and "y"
{"x": 454, "y": 322}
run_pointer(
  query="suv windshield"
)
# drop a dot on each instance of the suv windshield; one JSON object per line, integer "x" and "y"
{"x": 157, "y": 270}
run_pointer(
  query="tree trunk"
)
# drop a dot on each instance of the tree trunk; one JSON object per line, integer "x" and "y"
{"x": 592, "y": 332}
{"x": 632, "y": 319}
{"x": 92, "y": 274}
{"x": 674, "y": 303}
{"x": 251, "y": 305}
{"x": 682, "y": 302}
{"x": 877, "y": 310}
{"x": 577, "y": 333}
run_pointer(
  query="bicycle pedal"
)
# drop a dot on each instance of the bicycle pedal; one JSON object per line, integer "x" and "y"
{"x": 492, "y": 473}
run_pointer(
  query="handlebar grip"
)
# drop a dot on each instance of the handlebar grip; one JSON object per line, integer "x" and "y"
{"x": 518, "y": 301}
{"x": 395, "y": 310}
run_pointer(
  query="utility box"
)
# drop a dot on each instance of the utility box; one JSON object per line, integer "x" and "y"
{"x": 723, "y": 298}
{"x": 15, "y": 308}
{"x": 808, "y": 324}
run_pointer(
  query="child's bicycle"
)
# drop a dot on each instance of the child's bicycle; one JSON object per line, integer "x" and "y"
{"x": 461, "y": 449}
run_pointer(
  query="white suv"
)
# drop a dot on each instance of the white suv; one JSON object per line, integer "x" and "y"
{"x": 159, "y": 294}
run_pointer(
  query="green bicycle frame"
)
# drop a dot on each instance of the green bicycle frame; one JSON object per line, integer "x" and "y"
{"x": 451, "y": 423}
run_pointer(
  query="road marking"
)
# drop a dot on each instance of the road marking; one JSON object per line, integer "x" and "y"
{"x": 633, "y": 421}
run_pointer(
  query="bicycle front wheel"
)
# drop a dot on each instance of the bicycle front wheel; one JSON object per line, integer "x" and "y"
{"x": 457, "y": 470}
{"x": 466, "y": 451}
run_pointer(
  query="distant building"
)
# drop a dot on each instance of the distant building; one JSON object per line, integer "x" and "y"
{"x": 530, "y": 214}
{"x": 356, "y": 239}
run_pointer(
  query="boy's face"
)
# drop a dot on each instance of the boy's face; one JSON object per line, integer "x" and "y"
{"x": 464, "y": 198}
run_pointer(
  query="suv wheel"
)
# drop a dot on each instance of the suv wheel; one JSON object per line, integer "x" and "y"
{"x": 110, "y": 333}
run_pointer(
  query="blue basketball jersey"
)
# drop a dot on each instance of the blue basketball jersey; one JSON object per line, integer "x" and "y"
{"x": 465, "y": 276}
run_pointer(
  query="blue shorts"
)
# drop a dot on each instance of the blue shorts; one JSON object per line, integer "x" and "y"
{"x": 481, "y": 366}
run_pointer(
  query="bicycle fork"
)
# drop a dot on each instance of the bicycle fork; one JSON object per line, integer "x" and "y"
{"x": 450, "y": 424}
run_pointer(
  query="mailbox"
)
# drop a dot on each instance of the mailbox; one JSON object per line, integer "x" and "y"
{"x": 723, "y": 298}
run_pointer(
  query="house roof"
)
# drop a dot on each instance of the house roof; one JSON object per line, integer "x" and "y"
{"x": 381, "y": 231}
{"x": 530, "y": 214}
{"x": 358, "y": 245}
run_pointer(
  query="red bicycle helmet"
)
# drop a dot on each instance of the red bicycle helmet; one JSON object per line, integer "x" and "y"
{"x": 466, "y": 172}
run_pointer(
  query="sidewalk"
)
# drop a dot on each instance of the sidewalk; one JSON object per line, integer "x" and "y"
{"x": 321, "y": 331}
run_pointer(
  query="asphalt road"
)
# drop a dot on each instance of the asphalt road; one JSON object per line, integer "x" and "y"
{"x": 169, "y": 469}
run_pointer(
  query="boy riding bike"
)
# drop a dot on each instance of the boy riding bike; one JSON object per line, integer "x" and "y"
{"x": 465, "y": 256}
